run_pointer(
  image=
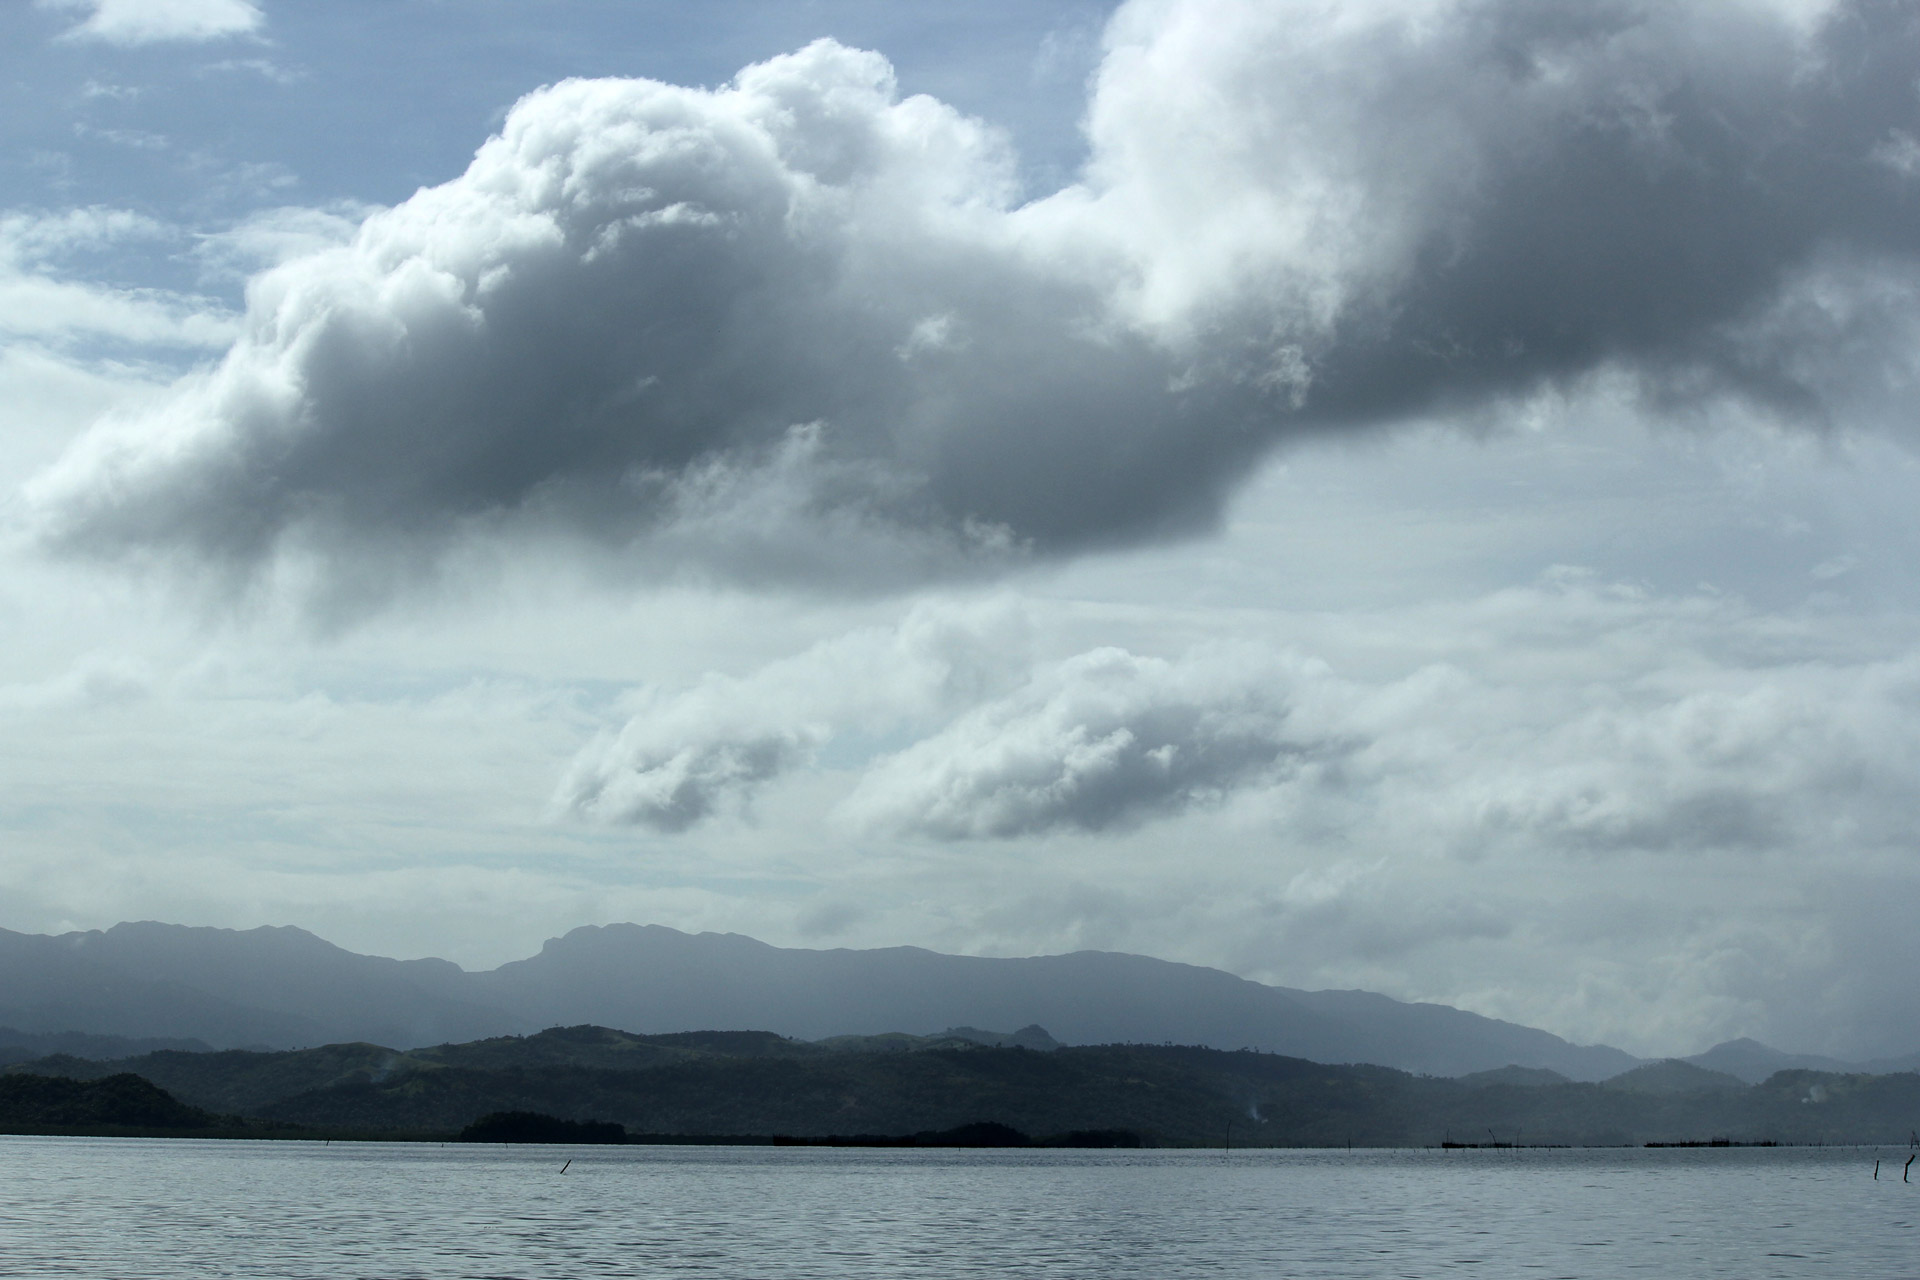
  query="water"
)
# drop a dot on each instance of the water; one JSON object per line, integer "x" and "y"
{"x": 129, "y": 1210}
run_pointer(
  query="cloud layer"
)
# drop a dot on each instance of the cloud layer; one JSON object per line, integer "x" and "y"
{"x": 798, "y": 329}
{"x": 1671, "y": 739}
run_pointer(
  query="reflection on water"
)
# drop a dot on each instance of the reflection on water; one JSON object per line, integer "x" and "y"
{"x": 130, "y": 1209}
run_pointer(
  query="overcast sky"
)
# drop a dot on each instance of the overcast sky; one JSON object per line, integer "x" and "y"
{"x": 1415, "y": 495}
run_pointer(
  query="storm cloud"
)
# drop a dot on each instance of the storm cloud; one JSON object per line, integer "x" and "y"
{"x": 800, "y": 329}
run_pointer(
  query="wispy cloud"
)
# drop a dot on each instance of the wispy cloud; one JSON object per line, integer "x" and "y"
{"x": 39, "y": 302}
{"x": 271, "y": 236}
{"x": 137, "y": 22}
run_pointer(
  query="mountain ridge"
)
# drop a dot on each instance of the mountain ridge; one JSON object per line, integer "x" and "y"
{"x": 283, "y": 987}
{"x": 1751, "y": 1061}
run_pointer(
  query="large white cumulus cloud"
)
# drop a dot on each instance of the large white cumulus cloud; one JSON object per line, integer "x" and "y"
{"x": 799, "y": 328}
{"x": 647, "y": 308}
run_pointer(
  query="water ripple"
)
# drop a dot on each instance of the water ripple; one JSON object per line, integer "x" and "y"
{"x": 164, "y": 1210}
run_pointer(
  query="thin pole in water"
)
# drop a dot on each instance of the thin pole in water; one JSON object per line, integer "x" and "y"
{"x": 1876, "y": 1171}
{"x": 1906, "y": 1167}
{"x": 563, "y": 1168}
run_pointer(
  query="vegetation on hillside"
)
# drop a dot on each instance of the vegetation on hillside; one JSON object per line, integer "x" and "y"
{"x": 721, "y": 1084}
{"x": 118, "y": 1103}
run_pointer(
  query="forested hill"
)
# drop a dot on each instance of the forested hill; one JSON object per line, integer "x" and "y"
{"x": 748, "y": 1083}
{"x": 116, "y": 1104}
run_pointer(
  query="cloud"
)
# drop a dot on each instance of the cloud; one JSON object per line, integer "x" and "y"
{"x": 1764, "y": 764}
{"x": 646, "y": 311}
{"x": 38, "y": 304}
{"x": 683, "y": 756}
{"x": 133, "y": 139}
{"x": 136, "y": 22}
{"x": 37, "y": 237}
{"x": 1574, "y": 719}
{"x": 1103, "y": 740}
{"x": 1641, "y": 817}
{"x": 269, "y": 237}
{"x": 94, "y": 682}
{"x": 670, "y": 786}
{"x": 797, "y": 329}
{"x": 1439, "y": 203}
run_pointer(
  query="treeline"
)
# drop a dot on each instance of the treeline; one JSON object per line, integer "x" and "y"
{"x": 532, "y": 1126}
{"x": 118, "y": 1104}
{"x": 739, "y": 1086}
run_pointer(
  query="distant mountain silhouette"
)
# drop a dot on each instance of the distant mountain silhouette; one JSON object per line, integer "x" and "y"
{"x": 284, "y": 987}
{"x": 274, "y": 987}
{"x": 24, "y": 1046}
{"x": 1753, "y": 1062}
{"x": 650, "y": 978}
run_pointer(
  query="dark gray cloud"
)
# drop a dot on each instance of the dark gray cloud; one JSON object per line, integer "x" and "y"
{"x": 798, "y": 329}
{"x": 1469, "y": 199}
{"x": 1705, "y": 170}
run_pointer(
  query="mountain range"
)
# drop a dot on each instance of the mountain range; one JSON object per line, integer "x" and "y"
{"x": 136, "y": 985}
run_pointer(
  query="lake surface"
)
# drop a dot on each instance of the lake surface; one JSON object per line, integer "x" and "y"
{"x": 128, "y": 1209}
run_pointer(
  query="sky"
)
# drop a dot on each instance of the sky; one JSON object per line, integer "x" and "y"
{"x": 1414, "y": 495}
